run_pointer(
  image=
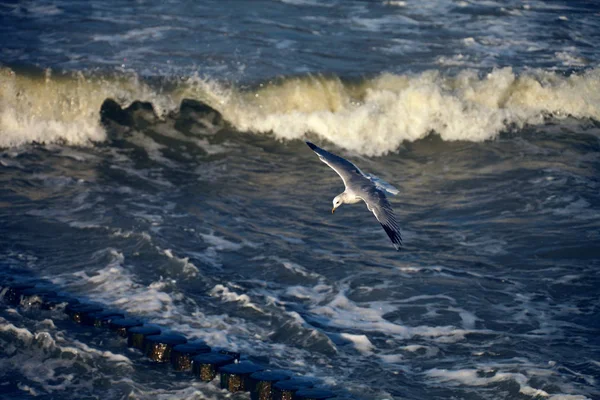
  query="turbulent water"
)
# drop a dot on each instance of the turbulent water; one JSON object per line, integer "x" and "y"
{"x": 152, "y": 158}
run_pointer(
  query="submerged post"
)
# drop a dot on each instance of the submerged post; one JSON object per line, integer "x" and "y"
{"x": 122, "y": 325}
{"x": 285, "y": 390}
{"x": 137, "y": 334}
{"x": 235, "y": 377}
{"x": 205, "y": 366}
{"x": 12, "y": 294}
{"x": 79, "y": 311}
{"x": 158, "y": 347}
{"x": 181, "y": 355}
{"x": 261, "y": 384}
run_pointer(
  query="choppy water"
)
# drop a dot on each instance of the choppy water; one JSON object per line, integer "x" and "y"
{"x": 484, "y": 115}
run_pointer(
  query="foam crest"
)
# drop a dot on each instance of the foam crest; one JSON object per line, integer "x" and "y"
{"x": 488, "y": 376}
{"x": 228, "y": 295}
{"x": 114, "y": 284}
{"x": 188, "y": 268}
{"x": 343, "y": 313}
{"x": 47, "y": 360}
{"x": 160, "y": 301}
{"x": 360, "y": 342}
{"x": 375, "y": 116}
{"x": 48, "y": 109}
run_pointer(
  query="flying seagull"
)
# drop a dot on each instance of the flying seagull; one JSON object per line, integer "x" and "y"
{"x": 365, "y": 187}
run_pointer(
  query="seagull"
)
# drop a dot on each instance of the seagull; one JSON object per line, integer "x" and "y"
{"x": 365, "y": 187}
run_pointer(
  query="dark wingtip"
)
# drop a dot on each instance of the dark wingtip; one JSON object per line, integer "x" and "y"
{"x": 394, "y": 236}
{"x": 312, "y": 146}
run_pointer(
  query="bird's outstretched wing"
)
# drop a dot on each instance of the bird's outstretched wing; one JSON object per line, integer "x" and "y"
{"x": 344, "y": 168}
{"x": 369, "y": 188}
{"x": 379, "y": 205}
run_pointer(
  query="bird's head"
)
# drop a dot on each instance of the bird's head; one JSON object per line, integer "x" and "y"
{"x": 337, "y": 201}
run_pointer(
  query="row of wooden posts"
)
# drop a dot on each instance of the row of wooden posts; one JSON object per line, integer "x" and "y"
{"x": 197, "y": 358}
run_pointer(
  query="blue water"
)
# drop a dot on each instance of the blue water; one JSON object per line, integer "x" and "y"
{"x": 217, "y": 224}
{"x": 259, "y": 40}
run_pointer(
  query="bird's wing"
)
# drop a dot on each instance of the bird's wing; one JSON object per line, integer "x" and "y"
{"x": 369, "y": 188}
{"x": 382, "y": 185}
{"x": 344, "y": 168}
{"x": 348, "y": 171}
{"x": 379, "y": 205}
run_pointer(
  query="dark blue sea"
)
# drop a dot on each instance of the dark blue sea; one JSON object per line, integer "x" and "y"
{"x": 152, "y": 160}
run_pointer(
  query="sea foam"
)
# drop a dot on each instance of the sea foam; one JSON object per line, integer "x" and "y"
{"x": 376, "y": 115}
{"x": 373, "y": 116}
{"x": 66, "y": 108}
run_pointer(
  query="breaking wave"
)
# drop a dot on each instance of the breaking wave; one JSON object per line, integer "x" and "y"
{"x": 372, "y": 117}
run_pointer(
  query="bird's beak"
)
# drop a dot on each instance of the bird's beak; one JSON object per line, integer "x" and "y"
{"x": 332, "y": 210}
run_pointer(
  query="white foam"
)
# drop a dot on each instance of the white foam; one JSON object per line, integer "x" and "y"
{"x": 467, "y": 317}
{"x": 484, "y": 377}
{"x": 316, "y": 293}
{"x": 188, "y": 268}
{"x": 47, "y": 324}
{"x": 375, "y": 116}
{"x": 220, "y": 243}
{"x": 152, "y": 148}
{"x": 429, "y": 351}
{"x": 46, "y": 358}
{"x": 21, "y": 333}
{"x": 138, "y": 35}
{"x": 343, "y": 313}
{"x": 377, "y": 24}
{"x": 391, "y": 358}
{"x": 113, "y": 284}
{"x": 108, "y": 355}
{"x": 484, "y": 245}
{"x": 570, "y": 58}
{"x": 182, "y": 391}
{"x": 395, "y": 3}
{"x": 421, "y": 297}
{"x": 579, "y": 208}
{"x": 228, "y": 295}
{"x": 28, "y": 389}
{"x": 295, "y": 268}
{"x": 360, "y": 342}
{"x": 64, "y": 108}
{"x": 371, "y": 117}
{"x": 158, "y": 301}
{"x": 216, "y": 245}
{"x": 38, "y": 10}
{"x": 151, "y": 176}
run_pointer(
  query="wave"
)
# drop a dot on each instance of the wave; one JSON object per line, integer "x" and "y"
{"x": 375, "y": 116}
{"x": 372, "y": 116}
{"x": 47, "y": 108}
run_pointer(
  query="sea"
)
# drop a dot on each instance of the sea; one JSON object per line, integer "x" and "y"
{"x": 153, "y": 160}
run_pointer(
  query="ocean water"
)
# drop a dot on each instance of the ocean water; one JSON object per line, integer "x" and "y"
{"x": 119, "y": 185}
